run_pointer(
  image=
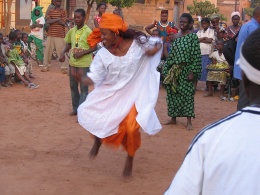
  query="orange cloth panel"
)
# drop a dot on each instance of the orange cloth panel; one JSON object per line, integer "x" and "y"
{"x": 128, "y": 134}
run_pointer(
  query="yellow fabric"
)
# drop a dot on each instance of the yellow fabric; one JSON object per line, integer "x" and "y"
{"x": 128, "y": 134}
{"x": 113, "y": 22}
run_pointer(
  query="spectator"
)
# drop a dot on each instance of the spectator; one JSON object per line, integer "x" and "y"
{"x": 245, "y": 31}
{"x": 56, "y": 18}
{"x": 223, "y": 158}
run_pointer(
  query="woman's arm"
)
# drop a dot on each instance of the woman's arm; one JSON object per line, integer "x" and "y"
{"x": 154, "y": 50}
{"x": 84, "y": 52}
{"x": 96, "y": 23}
{"x": 148, "y": 28}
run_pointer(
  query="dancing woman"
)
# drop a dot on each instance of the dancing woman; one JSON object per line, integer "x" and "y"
{"x": 126, "y": 88}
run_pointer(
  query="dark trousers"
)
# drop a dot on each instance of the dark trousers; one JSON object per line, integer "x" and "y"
{"x": 243, "y": 99}
{"x": 77, "y": 96}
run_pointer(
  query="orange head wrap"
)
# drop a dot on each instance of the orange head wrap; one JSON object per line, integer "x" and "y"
{"x": 94, "y": 38}
{"x": 172, "y": 30}
{"x": 113, "y": 22}
{"x": 109, "y": 21}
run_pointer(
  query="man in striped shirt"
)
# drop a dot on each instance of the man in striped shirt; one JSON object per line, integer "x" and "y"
{"x": 56, "y": 18}
{"x": 224, "y": 158}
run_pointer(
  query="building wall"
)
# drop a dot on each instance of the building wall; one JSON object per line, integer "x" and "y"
{"x": 141, "y": 15}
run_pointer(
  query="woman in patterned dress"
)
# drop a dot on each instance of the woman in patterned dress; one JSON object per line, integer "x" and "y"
{"x": 235, "y": 28}
{"x": 182, "y": 67}
{"x": 101, "y": 8}
{"x": 163, "y": 26}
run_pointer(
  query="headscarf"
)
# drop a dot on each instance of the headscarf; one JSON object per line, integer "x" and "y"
{"x": 113, "y": 22}
{"x": 94, "y": 38}
{"x": 235, "y": 14}
{"x": 172, "y": 30}
{"x": 33, "y": 16}
{"x": 164, "y": 11}
{"x": 214, "y": 16}
{"x": 109, "y": 21}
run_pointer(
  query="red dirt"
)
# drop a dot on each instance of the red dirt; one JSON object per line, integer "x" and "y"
{"x": 45, "y": 151}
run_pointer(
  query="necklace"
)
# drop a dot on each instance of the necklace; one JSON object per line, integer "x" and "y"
{"x": 77, "y": 36}
{"x": 117, "y": 44}
{"x": 163, "y": 25}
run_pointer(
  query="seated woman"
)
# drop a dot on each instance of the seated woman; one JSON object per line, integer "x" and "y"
{"x": 15, "y": 59}
{"x": 218, "y": 71}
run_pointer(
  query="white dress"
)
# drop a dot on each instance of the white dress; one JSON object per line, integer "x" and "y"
{"x": 120, "y": 83}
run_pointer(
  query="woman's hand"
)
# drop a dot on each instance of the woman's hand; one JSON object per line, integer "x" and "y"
{"x": 190, "y": 76}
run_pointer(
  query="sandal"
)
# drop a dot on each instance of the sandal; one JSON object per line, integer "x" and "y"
{"x": 32, "y": 86}
{"x": 223, "y": 98}
{"x": 4, "y": 85}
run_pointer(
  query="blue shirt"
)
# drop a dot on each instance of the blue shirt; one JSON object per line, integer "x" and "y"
{"x": 245, "y": 31}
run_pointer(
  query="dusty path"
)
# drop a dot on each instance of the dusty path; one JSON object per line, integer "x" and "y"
{"x": 45, "y": 151}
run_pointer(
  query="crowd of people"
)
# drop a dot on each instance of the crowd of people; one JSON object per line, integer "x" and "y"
{"x": 175, "y": 56}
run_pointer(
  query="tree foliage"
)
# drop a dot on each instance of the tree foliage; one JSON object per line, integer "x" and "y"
{"x": 249, "y": 11}
{"x": 118, "y": 3}
{"x": 204, "y": 9}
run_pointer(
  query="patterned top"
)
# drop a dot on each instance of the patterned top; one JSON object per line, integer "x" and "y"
{"x": 184, "y": 58}
{"x": 163, "y": 30}
{"x": 185, "y": 51}
{"x": 232, "y": 31}
{"x": 57, "y": 30}
{"x": 97, "y": 18}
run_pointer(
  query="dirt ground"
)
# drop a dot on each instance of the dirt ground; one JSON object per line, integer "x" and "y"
{"x": 45, "y": 151}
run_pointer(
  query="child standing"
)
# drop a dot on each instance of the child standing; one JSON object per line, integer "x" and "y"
{"x": 36, "y": 25}
{"x": 218, "y": 70}
{"x": 206, "y": 36}
{"x": 80, "y": 57}
{"x": 27, "y": 54}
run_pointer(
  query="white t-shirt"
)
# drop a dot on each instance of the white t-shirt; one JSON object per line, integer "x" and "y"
{"x": 223, "y": 158}
{"x": 38, "y": 32}
{"x": 206, "y": 48}
{"x": 120, "y": 83}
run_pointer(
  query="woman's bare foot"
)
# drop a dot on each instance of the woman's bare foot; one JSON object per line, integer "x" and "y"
{"x": 128, "y": 166}
{"x": 95, "y": 148}
{"x": 171, "y": 122}
{"x": 189, "y": 125}
{"x": 208, "y": 95}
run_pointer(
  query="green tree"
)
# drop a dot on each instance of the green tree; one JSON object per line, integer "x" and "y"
{"x": 204, "y": 9}
{"x": 118, "y": 3}
{"x": 249, "y": 11}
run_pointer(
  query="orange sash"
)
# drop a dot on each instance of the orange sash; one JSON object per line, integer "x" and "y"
{"x": 128, "y": 134}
